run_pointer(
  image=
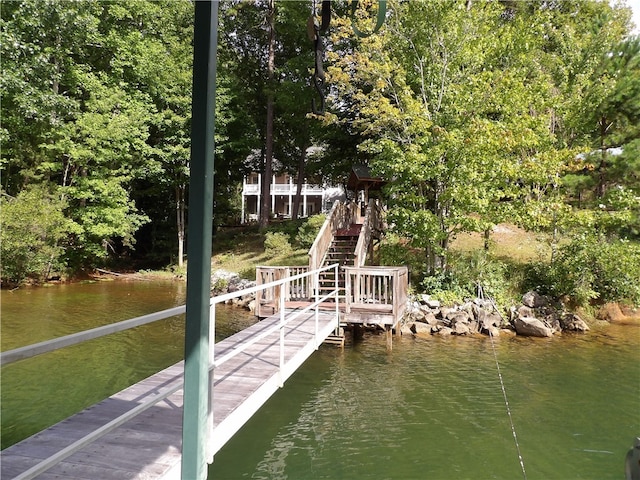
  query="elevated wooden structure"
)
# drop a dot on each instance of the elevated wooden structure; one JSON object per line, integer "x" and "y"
{"x": 253, "y": 364}
{"x": 369, "y": 295}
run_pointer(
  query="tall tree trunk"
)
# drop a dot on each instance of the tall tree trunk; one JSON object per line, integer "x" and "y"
{"x": 266, "y": 185}
{"x": 301, "y": 168}
{"x": 180, "y": 222}
{"x": 602, "y": 169}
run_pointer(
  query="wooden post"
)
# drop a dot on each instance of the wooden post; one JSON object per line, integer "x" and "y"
{"x": 389, "y": 335}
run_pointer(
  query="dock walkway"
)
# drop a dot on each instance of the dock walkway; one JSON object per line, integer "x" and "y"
{"x": 149, "y": 445}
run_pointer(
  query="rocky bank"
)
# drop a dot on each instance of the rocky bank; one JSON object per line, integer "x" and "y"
{"x": 536, "y": 316}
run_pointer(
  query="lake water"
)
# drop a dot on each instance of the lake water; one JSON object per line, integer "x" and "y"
{"x": 432, "y": 408}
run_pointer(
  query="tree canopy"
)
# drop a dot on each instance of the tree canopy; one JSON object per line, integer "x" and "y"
{"x": 475, "y": 112}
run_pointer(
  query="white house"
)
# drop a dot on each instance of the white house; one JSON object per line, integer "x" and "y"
{"x": 314, "y": 198}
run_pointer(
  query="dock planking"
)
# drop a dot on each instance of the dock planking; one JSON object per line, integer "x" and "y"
{"x": 149, "y": 445}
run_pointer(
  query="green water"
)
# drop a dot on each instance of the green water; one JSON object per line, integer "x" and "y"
{"x": 431, "y": 409}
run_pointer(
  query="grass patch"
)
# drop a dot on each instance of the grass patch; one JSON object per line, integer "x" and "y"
{"x": 241, "y": 249}
{"x": 507, "y": 242}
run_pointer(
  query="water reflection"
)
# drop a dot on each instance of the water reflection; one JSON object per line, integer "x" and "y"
{"x": 39, "y": 392}
{"x": 434, "y": 409}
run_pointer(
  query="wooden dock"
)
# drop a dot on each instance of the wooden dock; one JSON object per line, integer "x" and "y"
{"x": 149, "y": 445}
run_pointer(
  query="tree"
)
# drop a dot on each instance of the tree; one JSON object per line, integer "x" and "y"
{"x": 32, "y": 237}
{"x": 466, "y": 109}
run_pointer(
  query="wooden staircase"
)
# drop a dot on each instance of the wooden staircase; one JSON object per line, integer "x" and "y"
{"x": 341, "y": 251}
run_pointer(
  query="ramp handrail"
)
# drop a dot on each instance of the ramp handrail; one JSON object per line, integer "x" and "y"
{"x": 47, "y": 346}
{"x": 79, "y": 337}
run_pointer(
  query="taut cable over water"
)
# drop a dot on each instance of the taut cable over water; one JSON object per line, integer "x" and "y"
{"x": 504, "y": 392}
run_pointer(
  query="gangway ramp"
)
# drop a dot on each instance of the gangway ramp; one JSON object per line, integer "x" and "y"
{"x": 105, "y": 441}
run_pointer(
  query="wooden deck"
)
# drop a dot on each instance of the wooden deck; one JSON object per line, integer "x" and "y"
{"x": 149, "y": 446}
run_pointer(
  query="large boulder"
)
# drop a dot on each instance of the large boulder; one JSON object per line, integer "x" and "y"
{"x": 443, "y": 331}
{"x": 461, "y": 328}
{"x": 459, "y": 317}
{"x": 420, "y": 328}
{"x": 417, "y": 315}
{"x": 430, "y": 318}
{"x": 429, "y": 302}
{"x": 489, "y": 323}
{"x": 532, "y": 327}
{"x": 572, "y": 322}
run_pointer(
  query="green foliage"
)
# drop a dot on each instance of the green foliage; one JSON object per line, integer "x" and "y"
{"x": 276, "y": 244}
{"x": 308, "y": 231}
{"x": 394, "y": 251}
{"x": 590, "y": 268}
{"x": 466, "y": 272}
{"x": 32, "y": 235}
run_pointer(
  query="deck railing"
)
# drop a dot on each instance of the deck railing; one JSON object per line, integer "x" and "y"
{"x": 80, "y": 337}
{"x": 341, "y": 216}
{"x": 371, "y": 226}
{"x": 299, "y": 287}
{"x": 376, "y": 289}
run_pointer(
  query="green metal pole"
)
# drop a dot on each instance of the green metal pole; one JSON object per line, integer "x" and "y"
{"x": 196, "y": 388}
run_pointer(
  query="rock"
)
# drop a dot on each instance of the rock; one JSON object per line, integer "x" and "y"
{"x": 553, "y": 321}
{"x": 459, "y": 317}
{"x": 430, "y": 318}
{"x": 532, "y": 327}
{"x": 491, "y": 331}
{"x": 533, "y": 299}
{"x": 445, "y": 312}
{"x": 429, "y": 302}
{"x": 417, "y": 315}
{"x": 611, "y": 312}
{"x": 418, "y": 328}
{"x": 461, "y": 328}
{"x": 474, "y": 326}
{"x": 405, "y": 329}
{"x": 433, "y": 304}
{"x": 524, "y": 311}
{"x": 444, "y": 331}
{"x": 487, "y": 320}
{"x": 572, "y": 322}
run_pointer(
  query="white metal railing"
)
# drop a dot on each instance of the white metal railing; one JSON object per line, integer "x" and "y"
{"x": 284, "y": 284}
{"x": 29, "y": 351}
{"x": 76, "y": 338}
{"x": 251, "y": 189}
